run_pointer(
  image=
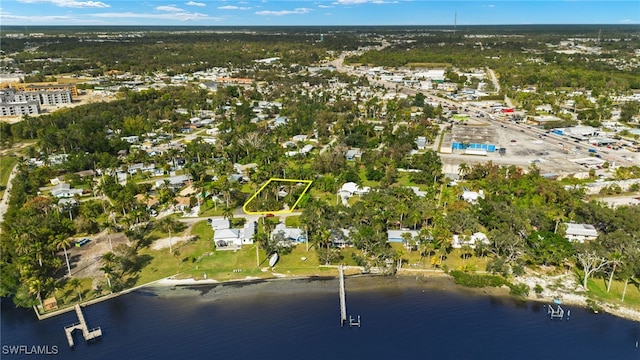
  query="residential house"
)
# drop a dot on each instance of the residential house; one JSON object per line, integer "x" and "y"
{"x": 64, "y": 190}
{"x": 280, "y": 120}
{"x": 225, "y": 236}
{"x": 306, "y": 149}
{"x": 580, "y": 232}
{"x": 349, "y": 189}
{"x": 220, "y": 224}
{"x": 416, "y": 190}
{"x": 472, "y": 196}
{"x": 421, "y": 142}
{"x": 340, "y": 238}
{"x": 175, "y": 182}
{"x": 242, "y": 169}
{"x": 396, "y": 235}
{"x": 295, "y": 235}
{"x": 353, "y": 154}
{"x": 471, "y": 241}
{"x": 131, "y": 139}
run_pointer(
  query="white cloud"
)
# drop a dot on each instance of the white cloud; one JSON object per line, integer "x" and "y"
{"x": 627, "y": 21}
{"x": 358, "y": 2}
{"x": 68, "y": 3}
{"x": 284, "y": 12}
{"x": 180, "y": 16}
{"x": 193, "y": 3}
{"x": 170, "y": 8}
{"x": 325, "y": 6}
{"x": 232, "y": 7}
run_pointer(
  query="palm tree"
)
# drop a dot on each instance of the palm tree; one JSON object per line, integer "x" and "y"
{"x": 62, "y": 242}
{"x": 108, "y": 272}
{"x": 227, "y": 212}
{"x": 463, "y": 170}
{"x": 110, "y": 227}
{"x": 168, "y": 224}
{"x": 76, "y": 284}
{"x": 466, "y": 252}
{"x": 408, "y": 241}
{"x": 35, "y": 285}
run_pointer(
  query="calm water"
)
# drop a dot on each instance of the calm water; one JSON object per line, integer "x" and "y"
{"x": 300, "y": 320}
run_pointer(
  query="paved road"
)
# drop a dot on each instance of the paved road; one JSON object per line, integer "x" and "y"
{"x": 5, "y": 197}
{"x": 237, "y": 213}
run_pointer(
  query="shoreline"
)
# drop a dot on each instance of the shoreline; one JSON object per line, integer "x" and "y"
{"x": 433, "y": 279}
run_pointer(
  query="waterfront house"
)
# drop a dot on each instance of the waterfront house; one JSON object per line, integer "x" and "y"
{"x": 295, "y": 235}
{"x": 471, "y": 241}
{"x": 219, "y": 224}
{"x": 580, "y": 232}
{"x": 396, "y": 235}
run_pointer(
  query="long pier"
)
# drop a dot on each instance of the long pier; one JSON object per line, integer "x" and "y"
{"x": 88, "y": 334}
{"x": 343, "y": 303}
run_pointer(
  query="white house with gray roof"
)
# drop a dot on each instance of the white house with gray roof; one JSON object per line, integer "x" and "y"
{"x": 580, "y": 232}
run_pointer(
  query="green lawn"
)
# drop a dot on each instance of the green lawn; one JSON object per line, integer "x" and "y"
{"x": 6, "y": 165}
{"x": 453, "y": 261}
{"x": 598, "y": 290}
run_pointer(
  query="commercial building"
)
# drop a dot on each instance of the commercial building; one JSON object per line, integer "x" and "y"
{"x": 12, "y": 104}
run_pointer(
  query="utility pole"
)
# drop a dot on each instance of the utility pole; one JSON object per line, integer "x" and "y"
{"x": 455, "y": 22}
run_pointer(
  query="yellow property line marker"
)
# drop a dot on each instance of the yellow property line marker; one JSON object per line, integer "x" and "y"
{"x": 244, "y": 207}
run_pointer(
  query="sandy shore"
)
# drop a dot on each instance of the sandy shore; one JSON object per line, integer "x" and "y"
{"x": 566, "y": 288}
{"x": 426, "y": 281}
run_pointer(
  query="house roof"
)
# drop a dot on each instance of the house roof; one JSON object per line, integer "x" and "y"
{"x": 581, "y": 230}
{"x": 226, "y": 234}
{"x": 249, "y": 230}
{"x": 291, "y": 233}
{"x": 396, "y": 235}
{"x": 219, "y": 224}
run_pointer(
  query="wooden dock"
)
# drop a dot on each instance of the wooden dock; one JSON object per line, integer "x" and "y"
{"x": 343, "y": 302}
{"x": 88, "y": 334}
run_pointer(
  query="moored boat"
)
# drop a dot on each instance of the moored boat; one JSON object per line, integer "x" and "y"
{"x": 273, "y": 259}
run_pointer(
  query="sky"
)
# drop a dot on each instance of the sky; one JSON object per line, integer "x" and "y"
{"x": 316, "y": 13}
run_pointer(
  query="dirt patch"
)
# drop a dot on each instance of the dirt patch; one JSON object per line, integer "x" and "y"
{"x": 174, "y": 240}
{"x": 85, "y": 260}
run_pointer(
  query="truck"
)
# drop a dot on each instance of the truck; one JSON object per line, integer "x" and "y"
{"x": 593, "y": 151}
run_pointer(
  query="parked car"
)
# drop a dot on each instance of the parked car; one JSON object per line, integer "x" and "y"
{"x": 83, "y": 242}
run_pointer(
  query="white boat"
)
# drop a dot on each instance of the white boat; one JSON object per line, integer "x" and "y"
{"x": 273, "y": 259}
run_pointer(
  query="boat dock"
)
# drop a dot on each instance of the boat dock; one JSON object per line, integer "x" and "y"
{"x": 343, "y": 302}
{"x": 81, "y": 325}
{"x": 557, "y": 313}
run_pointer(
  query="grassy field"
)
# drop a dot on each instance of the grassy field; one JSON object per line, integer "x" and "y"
{"x": 598, "y": 290}
{"x": 6, "y": 165}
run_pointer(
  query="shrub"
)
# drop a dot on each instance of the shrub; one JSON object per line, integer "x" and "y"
{"x": 477, "y": 280}
{"x": 538, "y": 289}
{"x": 519, "y": 289}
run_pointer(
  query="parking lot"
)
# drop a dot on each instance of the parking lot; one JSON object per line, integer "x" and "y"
{"x": 523, "y": 148}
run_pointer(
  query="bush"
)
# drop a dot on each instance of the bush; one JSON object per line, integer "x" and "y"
{"x": 237, "y": 222}
{"x": 477, "y": 280}
{"x": 538, "y": 289}
{"x": 519, "y": 289}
